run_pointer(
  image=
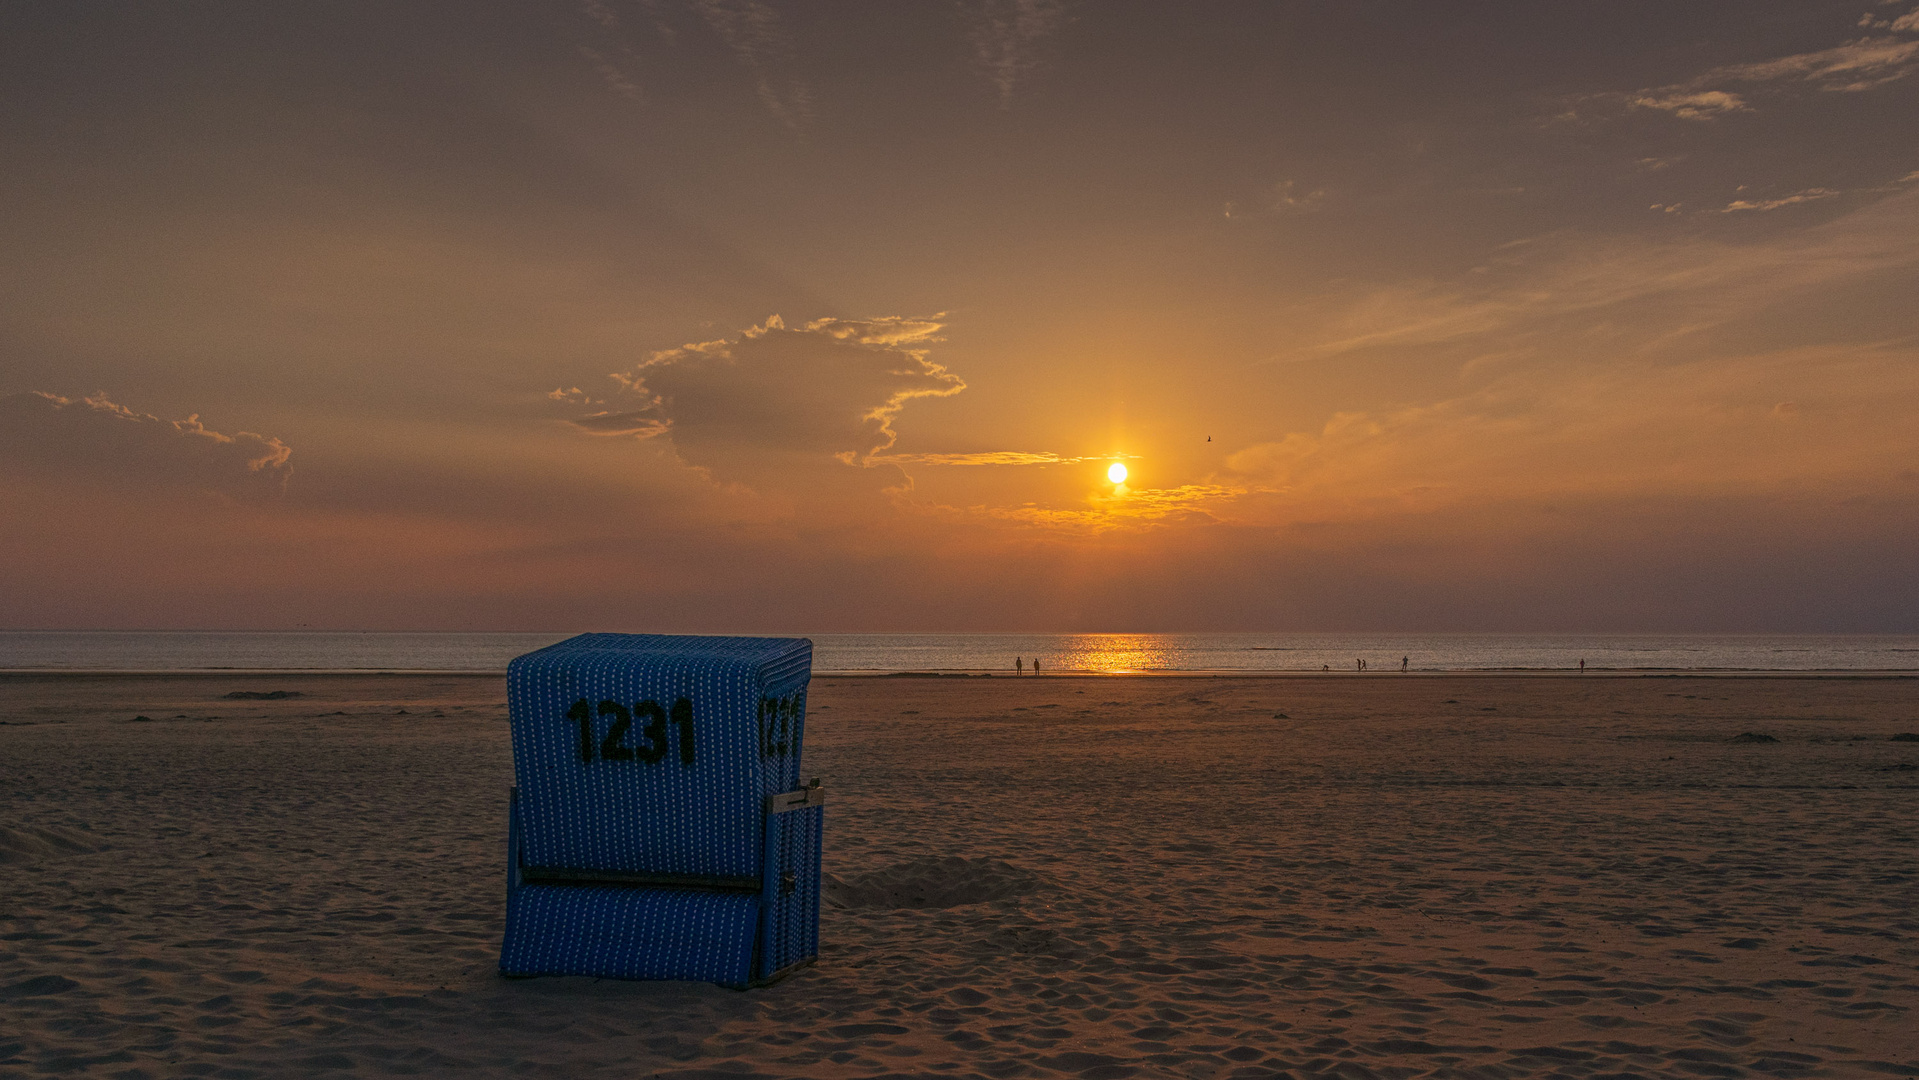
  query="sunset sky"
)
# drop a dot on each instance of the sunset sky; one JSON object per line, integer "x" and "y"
{"x": 749, "y": 315}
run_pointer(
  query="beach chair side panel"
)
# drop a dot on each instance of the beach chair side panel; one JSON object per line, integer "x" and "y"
{"x": 789, "y": 930}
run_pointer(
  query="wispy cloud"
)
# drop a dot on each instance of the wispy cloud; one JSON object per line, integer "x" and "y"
{"x": 1620, "y": 430}
{"x": 601, "y": 14}
{"x": 756, "y": 35}
{"x": 1528, "y": 295}
{"x": 1847, "y": 68}
{"x": 1804, "y": 195}
{"x": 1598, "y": 370}
{"x": 1854, "y": 66}
{"x": 1292, "y": 195}
{"x": 1005, "y": 35}
{"x": 1126, "y": 509}
{"x": 617, "y": 72}
{"x": 610, "y": 74}
{"x": 1794, "y": 199}
{"x": 997, "y": 457}
{"x": 1689, "y": 104}
{"x": 100, "y": 440}
{"x": 1285, "y": 197}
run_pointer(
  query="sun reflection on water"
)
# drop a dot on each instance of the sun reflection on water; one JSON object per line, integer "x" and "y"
{"x": 1113, "y": 654}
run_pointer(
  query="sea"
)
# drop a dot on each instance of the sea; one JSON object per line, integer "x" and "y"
{"x": 196, "y": 650}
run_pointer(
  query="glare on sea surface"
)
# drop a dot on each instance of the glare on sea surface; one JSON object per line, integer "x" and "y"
{"x": 1116, "y": 473}
{"x": 1115, "y": 654}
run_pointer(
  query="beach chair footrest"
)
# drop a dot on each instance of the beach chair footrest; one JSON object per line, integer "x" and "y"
{"x": 623, "y": 932}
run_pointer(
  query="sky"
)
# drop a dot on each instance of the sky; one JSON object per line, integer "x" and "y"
{"x": 747, "y": 315}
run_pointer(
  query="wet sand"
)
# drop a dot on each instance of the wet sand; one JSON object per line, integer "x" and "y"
{"x": 1389, "y": 875}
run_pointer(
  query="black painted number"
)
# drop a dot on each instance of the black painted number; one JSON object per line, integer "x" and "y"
{"x": 583, "y": 712}
{"x": 683, "y": 719}
{"x": 779, "y": 723}
{"x": 655, "y": 732}
{"x": 611, "y": 747}
{"x": 655, "y": 739}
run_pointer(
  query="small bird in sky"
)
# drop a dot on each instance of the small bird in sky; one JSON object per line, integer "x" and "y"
{"x": 1209, "y": 438}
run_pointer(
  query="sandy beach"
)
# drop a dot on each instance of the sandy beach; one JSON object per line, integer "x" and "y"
{"x": 1391, "y": 876}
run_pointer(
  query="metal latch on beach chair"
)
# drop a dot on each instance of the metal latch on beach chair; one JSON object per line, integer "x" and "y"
{"x": 811, "y": 795}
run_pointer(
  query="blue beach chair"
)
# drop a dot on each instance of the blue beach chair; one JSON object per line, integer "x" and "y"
{"x": 658, "y": 829}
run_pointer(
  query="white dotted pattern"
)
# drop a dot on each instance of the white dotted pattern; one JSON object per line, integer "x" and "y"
{"x": 664, "y": 817}
{"x": 626, "y": 933}
{"x": 659, "y": 817}
{"x": 793, "y": 916}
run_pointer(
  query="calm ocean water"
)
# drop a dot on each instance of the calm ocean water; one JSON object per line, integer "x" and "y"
{"x": 198, "y": 651}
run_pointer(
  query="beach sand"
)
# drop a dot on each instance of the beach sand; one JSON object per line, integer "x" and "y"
{"x": 1388, "y": 875}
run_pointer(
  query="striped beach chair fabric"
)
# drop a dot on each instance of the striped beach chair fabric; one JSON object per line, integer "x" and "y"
{"x": 658, "y": 828}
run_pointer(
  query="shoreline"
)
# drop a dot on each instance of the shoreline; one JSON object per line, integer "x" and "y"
{"x": 8, "y": 674}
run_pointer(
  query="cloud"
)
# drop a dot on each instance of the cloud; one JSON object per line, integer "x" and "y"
{"x": 615, "y": 79}
{"x": 1553, "y": 294}
{"x": 1805, "y": 195}
{"x": 1005, "y": 35}
{"x": 1290, "y": 195}
{"x": 1849, "y": 68}
{"x": 1808, "y": 195}
{"x": 1127, "y": 509}
{"x": 996, "y": 457}
{"x": 1578, "y": 373}
{"x": 98, "y": 439}
{"x": 766, "y": 407}
{"x": 618, "y": 72}
{"x": 1285, "y": 197}
{"x": 754, "y": 32}
{"x": 1590, "y": 433}
{"x": 1854, "y": 66}
{"x": 601, "y": 14}
{"x": 1690, "y": 105}
{"x": 639, "y": 424}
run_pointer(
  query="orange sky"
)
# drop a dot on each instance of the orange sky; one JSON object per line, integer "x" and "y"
{"x": 730, "y": 315}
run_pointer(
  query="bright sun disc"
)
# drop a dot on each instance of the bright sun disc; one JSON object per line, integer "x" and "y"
{"x": 1117, "y": 474}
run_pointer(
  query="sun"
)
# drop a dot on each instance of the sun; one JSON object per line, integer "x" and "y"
{"x": 1117, "y": 473}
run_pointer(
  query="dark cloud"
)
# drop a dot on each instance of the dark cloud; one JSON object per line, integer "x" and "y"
{"x": 103, "y": 441}
{"x": 773, "y": 402}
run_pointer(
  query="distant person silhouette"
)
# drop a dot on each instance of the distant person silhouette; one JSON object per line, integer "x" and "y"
{"x": 1325, "y": 667}
{"x": 1582, "y": 665}
{"x": 1403, "y": 661}
{"x": 1019, "y": 664}
{"x": 1036, "y": 665}
{"x": 1359, "y": 665}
